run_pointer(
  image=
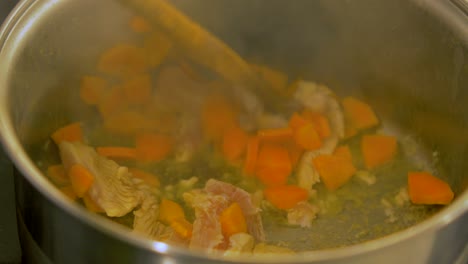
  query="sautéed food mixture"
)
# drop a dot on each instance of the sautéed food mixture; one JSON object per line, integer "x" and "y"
{"x": 184, "y": 157}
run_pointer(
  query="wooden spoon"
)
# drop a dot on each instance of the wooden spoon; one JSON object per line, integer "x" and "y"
{"x": 203, "y": 47}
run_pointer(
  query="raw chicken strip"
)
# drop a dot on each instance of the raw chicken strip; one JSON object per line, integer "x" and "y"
{"x": 243, "y": 198}
{"x": 240, "y": 243}
{"x": 318, "y": 98}
{"x": 113, "y": 189}
{"x": 206, "y": 234}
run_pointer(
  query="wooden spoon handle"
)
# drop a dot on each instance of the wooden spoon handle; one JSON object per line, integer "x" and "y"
{"x": 199, "y": 44}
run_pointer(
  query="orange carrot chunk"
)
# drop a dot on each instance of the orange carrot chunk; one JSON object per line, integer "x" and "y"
{"x": 273, "y": 164}
{"x": 232, "y": 220}
{"x": 123, "y": 60}
{"x": 119, "y": 153}
{"x": 81, "y": 179}
{"x": 295, "y": 152}
{"x": 170, "y": 211}
{"x": 360, "y": 114}
{"x": 275, "y": 134}
{"x": 251, "y": 155}
{"x": 91, "y": 205}
{"x": 130, "y": 122}
{"x": 343, "y": 151}
{"x": 153, "y": 147}
{"x": 137, "y": 89}
{"x": 112, "y": 102}
{"x": 424, "y": 188}
{"x": 334, "y": 170}
{"x": 92, "y": 89}
{"x": 71, "y": 132}
{"x": 234, "y": 143}
{"x": 286, "y": 196}
{"x": 139, "y": 25}
{"x": 378, "y": 149}
{"x": 307, "y": 137}
{"x": 182, "y": 227}
{"x": 296, "y": 121}
{"x": 69, "y": 192}
{"x": 58, "y": 175}
{"x": 320, "y": 122}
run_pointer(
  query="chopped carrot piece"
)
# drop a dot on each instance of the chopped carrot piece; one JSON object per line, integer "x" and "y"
{"x": 182, "y": 227}
{"x": 234, "y": 143}
{"x": 157, "y": 47}
{"x": 69, "y": 192}
{"x": 124, "y": 153}
{"x": 58, "y": 175}
{"x": 137, "y": 89}
{"x": 91, "y": 205}
{"x": 320, "y": 122}
{"x": 153, "y": 147}
{"x": 218, "y": 115}
{"x": 286, "y": 196}
{"x": 232, "y": 220}
{"x": 92, "y": 89}
{"x": 123, "y": 60}
{"x": 139, "y": 25}
{"x": 334, "y": 170}
{"x": 278, "y": 80}
{"x": 170, "y": 211}
{"x": 81, "y": 179}
{"x": 343, "y": 151}
{"x": 307, "y": 137}
{"x": 251, "y": 155}
{"x": 272, "y": 175}
{"x": 296, "y": 121}
{"x": 273, "y": 164}
{"x": 275, "y": 134}
{"x": 128, "y": 123}
{"x": 424, "y": 188}
{"x": 295, "y": 153}
{"x": 71, "y": 132}
{"x": 148, "y": 178}
{"x": 349, "y": 131}
{"x": 112, "y": 102}
{"x": 359, "y": 113}
{"x": 378, "y": 149}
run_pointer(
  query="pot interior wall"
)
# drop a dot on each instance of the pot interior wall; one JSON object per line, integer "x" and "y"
{"x": 396, "y": 56}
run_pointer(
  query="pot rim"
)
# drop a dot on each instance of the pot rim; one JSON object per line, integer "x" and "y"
{"x": 28, "y": 170}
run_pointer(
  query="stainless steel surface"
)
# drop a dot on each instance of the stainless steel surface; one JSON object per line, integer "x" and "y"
{"x": 408, "y": 58}
{"x": 10, "y": 251}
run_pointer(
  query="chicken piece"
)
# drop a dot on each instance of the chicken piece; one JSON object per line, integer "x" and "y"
{"x": 302, "y": 214}
{"x": 402, "y": 197}
{"x": 240, "y": 243}
{"x": 209, "y": 203}
{"x": 189, "y": 135}
{"x": 146, "y": 221}
{"x": 206, "y": 233}
{"x": 244, "y": 199}
{"x": 113, "y": 188}
{"x": 318, "y": 98}
{"x": 265, "y": 249}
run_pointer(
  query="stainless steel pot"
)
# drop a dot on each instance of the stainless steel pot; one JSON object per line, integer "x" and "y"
{"x": 409, "y": 58}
